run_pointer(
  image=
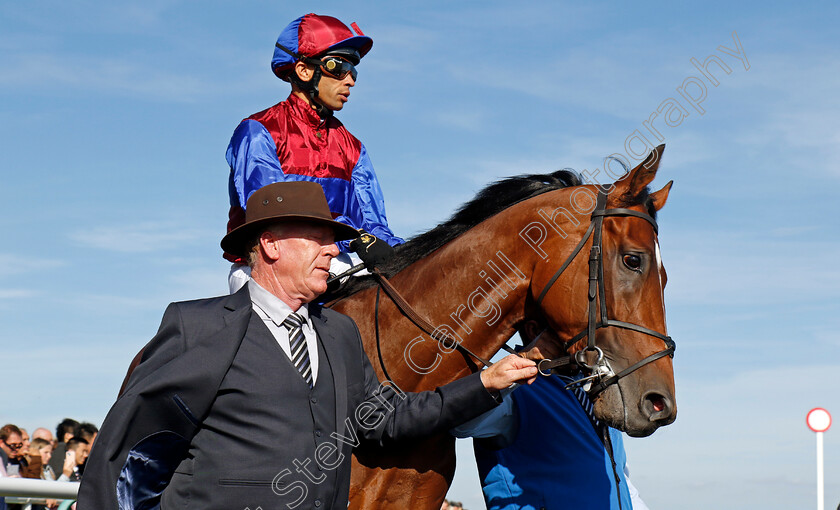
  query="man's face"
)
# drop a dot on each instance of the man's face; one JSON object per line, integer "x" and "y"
{"x": 13, "y": 445}
{"x": 82, "y": 451}
{"x": 25, "y": 437}
{"x": 332, "y": 92}
{"x": 304, "y": 264}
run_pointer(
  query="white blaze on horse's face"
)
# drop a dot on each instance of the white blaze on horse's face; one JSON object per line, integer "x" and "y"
{"x": 658, "y": 259}
{"x": 659, "y": 270}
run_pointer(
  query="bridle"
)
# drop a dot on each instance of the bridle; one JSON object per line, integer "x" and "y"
{"x": 600, "y": 374}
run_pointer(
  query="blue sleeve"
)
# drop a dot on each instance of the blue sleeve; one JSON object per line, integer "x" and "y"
{"x": 367, "y": 205}
{"x": 252, "y": 156}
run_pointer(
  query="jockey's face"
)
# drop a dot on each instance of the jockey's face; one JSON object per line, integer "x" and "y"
{"x": 332, "y": 92}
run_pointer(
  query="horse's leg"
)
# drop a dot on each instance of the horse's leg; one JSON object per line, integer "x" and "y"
{"x": 382, "y": 478}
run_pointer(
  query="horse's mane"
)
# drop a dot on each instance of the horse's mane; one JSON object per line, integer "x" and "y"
{"x": 492, "y": 200}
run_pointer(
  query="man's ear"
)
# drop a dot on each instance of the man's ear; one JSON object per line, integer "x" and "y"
{"x": 304, "y": 71}
{"x": 270, "y": 246}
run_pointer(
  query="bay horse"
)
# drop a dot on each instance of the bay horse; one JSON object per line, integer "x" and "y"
{"x": 509, "y": 255}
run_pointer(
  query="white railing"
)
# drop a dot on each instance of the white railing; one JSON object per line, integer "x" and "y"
{"x": 41, "y": 489}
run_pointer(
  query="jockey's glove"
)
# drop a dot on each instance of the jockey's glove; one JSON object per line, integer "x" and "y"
{"x": 373, "y": 251}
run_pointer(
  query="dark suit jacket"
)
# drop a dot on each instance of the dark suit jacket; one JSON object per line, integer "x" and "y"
{"x": 147, "y": 432}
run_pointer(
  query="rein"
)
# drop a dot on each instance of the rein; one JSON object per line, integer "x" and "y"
{"x": 598, "y": 317}
{"x": 405, "y": 308}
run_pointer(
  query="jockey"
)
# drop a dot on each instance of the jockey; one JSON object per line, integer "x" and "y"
{"x": 300, "y": 139}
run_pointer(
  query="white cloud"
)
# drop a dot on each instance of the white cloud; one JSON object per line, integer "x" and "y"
{"x": 117, "y": 76}
{"x": 19, "y": 266}
{"x": 140, "y": 237}
{"x": 466, "y": 120}
{"x": 17, "y": 293}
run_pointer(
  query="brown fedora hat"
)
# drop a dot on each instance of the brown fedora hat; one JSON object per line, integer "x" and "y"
{"x": 302, "y": 201}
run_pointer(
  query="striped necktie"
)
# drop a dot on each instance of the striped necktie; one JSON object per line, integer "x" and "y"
{"x": 299, "y": 351}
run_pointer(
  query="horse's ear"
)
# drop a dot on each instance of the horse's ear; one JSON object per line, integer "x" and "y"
{"x": 660, "y": 197}
{"x": 643, "y": 174}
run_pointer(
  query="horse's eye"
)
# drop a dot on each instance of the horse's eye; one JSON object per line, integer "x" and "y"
{"x": 633, "y": 262}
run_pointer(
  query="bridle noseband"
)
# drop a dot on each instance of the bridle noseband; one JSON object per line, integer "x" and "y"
{"x": 600, "y": 374}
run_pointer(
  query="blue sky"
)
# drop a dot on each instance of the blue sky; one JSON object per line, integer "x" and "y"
{"x": 114, "y": 118}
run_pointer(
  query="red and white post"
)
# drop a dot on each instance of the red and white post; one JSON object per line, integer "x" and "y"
{"x": 819, "y": 420}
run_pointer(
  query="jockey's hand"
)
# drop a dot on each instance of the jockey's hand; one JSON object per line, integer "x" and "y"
{"x": 373, "y": 251}
{"x": 508, "y": 370}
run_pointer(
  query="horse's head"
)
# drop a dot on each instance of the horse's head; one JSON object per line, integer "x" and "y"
{"x": 620, "y": 298}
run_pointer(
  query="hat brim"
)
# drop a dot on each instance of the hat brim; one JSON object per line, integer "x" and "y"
{"x": 234, "y": 241}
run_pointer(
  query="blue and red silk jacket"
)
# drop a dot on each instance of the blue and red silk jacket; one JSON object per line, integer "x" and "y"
{"x": 289, "y": 141}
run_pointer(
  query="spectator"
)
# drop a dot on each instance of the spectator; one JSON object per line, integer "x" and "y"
{"x": 11, "y": 446}
{"x": 63, "y": 432}
{"x": 2, "y": 474}
{"x": 456, "y": 505}
{"x": 88, "y": 432}
{"x": 37, "y": 456}
{"x": 77, "y": 453}
{"x": 43, "y": 433}
{"x": 444, "y": 505}
{"x": 66, "y": 430}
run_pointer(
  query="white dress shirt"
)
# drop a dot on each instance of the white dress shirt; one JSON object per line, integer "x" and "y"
{"x": 273, "y": 311}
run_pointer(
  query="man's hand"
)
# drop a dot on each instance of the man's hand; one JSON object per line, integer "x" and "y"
{"x": 373, "y": 251}
{"x": 508, "y": 370}
{"x": 69, "y": 462}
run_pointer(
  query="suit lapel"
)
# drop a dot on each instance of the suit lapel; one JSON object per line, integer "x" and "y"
{"x": 336, "y": 360}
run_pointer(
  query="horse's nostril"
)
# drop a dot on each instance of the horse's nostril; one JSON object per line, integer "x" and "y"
{"x": 656, "y": 406}
{"x": 658, "y": 403}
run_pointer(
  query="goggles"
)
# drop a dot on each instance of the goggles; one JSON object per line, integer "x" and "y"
{"x": 338, "y": 68}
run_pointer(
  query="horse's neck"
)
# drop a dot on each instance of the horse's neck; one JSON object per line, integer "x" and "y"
{"x": 475, "y": 287}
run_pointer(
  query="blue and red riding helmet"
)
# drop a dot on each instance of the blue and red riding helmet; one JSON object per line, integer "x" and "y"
{"x": 313, "y": 35}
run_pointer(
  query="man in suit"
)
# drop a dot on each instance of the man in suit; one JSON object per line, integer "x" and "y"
{"x": 257, "y": 399}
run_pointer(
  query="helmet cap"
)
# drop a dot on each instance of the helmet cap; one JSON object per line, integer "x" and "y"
{"x": 312, "y": 35}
